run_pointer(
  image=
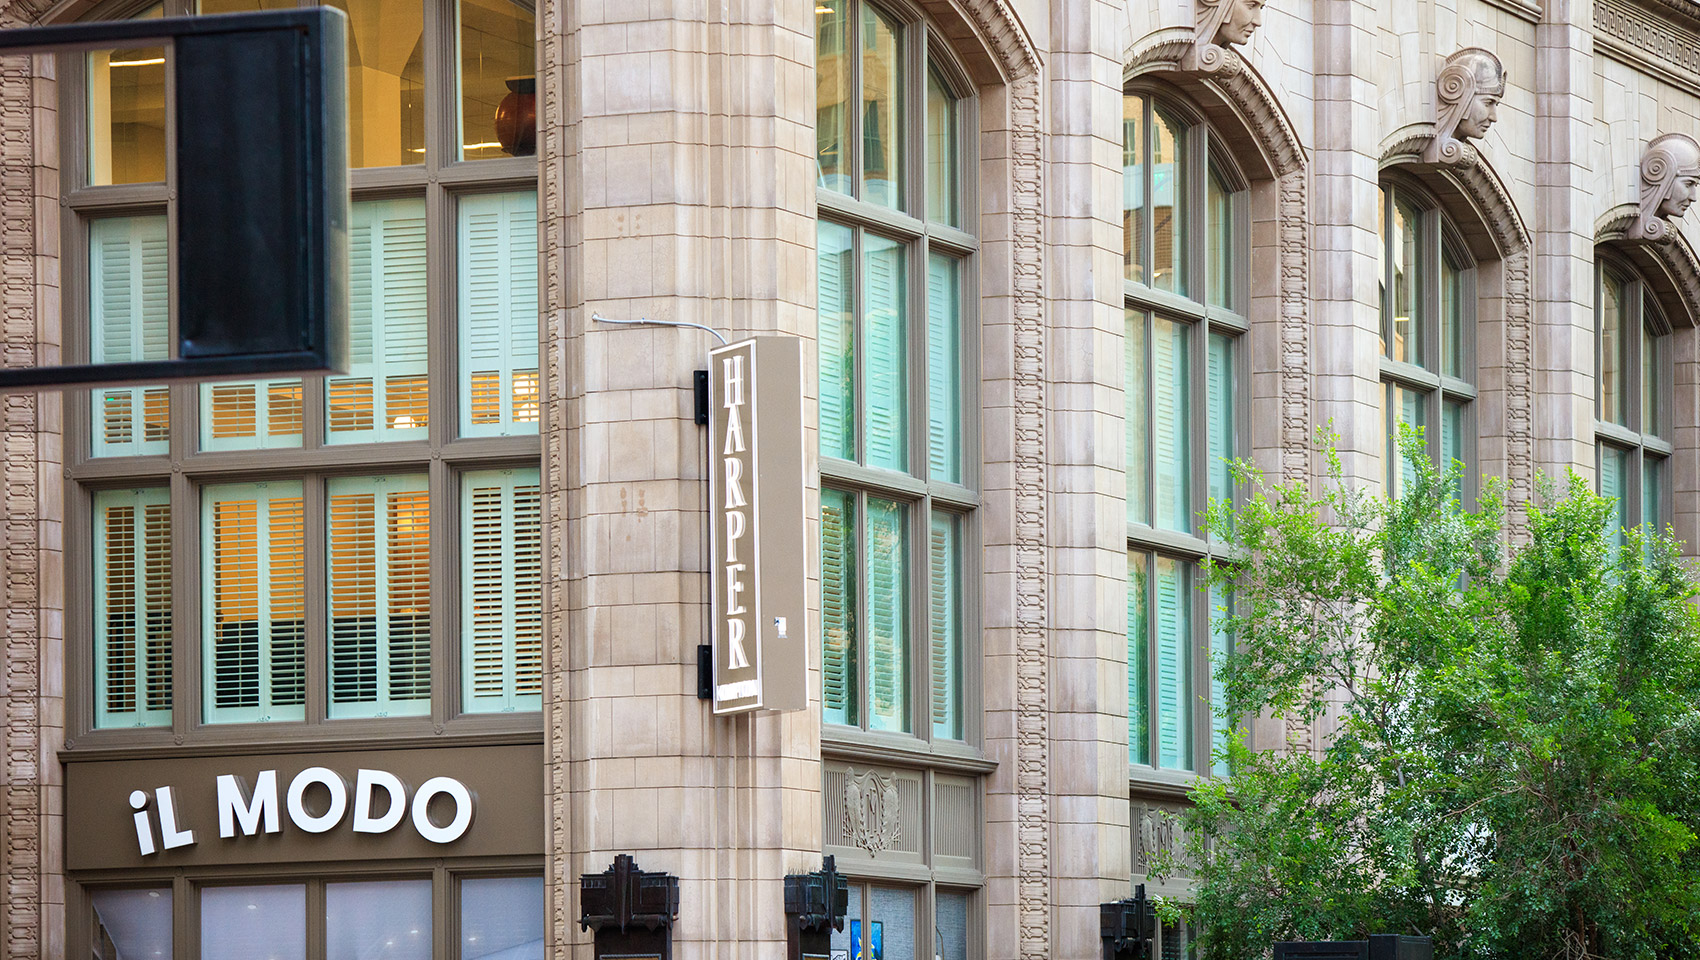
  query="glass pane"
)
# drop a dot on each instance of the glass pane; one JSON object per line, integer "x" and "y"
{"x": 1455, "y": 445}
{"x": 1614, "y": 392}
{"x": 1221, "y": 242}
{"x": 836, "y": 283}
{"x": 1381, "y": 202}
{"x": 127, "y": 112}
{"x": 832, "y": 95}
{"x": 385, "y": 395}
{"x": 1133, "y": 188}
{"x": 1614, "y": 485}
{"x": 1169, "y": 419}
{"x": 1452, "y": 323}
{"x": 885, "y": 329}
{"x": 132, "y": 607}
{"x": 882, "y": 110}
{"x": 1401, "y": 405}
{"x": 944, "y": 369}
{"x": 501, "y": 598}
{"x": 1221, "y": 645}
{"x": 891, "y": 925}
{"x": 1174, "y": 664}
{"x": 379, "y": 588}
{"x": 499, "y": 393}
{"x": 1651, "y": 422}
{"x": 241, "y": 923}
{"x": 386, "y": 81}
{"x": 129, "y": 319}
{"x": 387, "y": 919}
{"x": 251, "y": 415}
{"x": 843, "y": 941}
{"x": 951, "y": 917}
{"x": 253, "y": 611}
{"x": 944, "y": 618}
{"x": 838, "y": 575}
{"x": 941, "y": 151}
{"x": 501, "y": 917}
{"x": 132, "y": 923}
{"x": 1168, "y": 194}
{"x": 888, "y": 615}
{"x": 498, "y": 82}
{"x": 1138, "y": 661}
{"x": 1220, "y": 425}
{"x": 1405, "y": 325}
{"x": 1136, "y": 380}
{"x": 1652, "y": 494}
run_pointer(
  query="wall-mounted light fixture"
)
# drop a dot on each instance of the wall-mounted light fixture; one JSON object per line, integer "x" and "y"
{"x": 815, "y": 905}
{"x": 631, "y": 910}
{"x": 1128, "y": 927}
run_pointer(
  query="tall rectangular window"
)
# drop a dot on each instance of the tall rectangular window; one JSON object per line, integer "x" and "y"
{"x": 254, "y": 618}
{"x": 498, "y": 314}
{"x": 379, "y": 596}
{"x": 132, "y": 607}
{"x": 502, "y": 590}
{"x": 386, "y": 393}
{"x": 129, "y": 320}
{"x": 1633, "y": 406}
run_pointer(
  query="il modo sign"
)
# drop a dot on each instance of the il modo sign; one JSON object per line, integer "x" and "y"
{"x": 756, "y": 525}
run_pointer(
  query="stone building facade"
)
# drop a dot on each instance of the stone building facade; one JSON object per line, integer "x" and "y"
{"x": 1076, "y": 252}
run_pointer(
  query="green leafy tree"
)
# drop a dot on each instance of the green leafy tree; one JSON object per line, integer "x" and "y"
{"x": 1511, "y": 738}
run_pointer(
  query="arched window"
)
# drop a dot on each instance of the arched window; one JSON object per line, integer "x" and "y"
{"x": 1428, "y": 332}
{"x": 1633, "y": 396}
{"x": 1186, "y": 247}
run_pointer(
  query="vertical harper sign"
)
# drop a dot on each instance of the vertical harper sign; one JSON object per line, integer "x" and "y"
{"x": 756, "y": 529}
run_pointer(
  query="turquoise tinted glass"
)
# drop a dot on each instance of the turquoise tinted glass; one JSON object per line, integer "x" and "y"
{"x": 1221, "y": 645}
{"x": 1170, "y": 422}
{"x": 1220, "y": 417}
{"x": 1138, "y": 662}
{"x": 836, "y": 281}
{"x": 1136, "y": 379}
{"x": 944, "y": 378}
{"x": 887, "y": 406}
{"x": 838, "y": 577}
{"x": 888, "y": 615}
{"x": 1174, "y": 663}
{"x": 944, "y": 618}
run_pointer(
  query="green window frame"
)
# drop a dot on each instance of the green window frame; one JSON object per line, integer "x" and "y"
{"x": 1186, "y": 231}
{"x": 444, "y": 388}
{"x": 1634, "y": 398}
{"x": 895, "y": 263}
{"x": 1428, "y": 334}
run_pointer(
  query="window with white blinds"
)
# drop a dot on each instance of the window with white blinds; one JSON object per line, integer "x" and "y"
{"x": 501, "y": 591}
{"x": 129, "y": 319}
{"x": 1185, "y": 233}
{"x": 498, "y": 314}
{"x": 386, "y": 393}
{"x": 254, "y": 627}
{"x": 1634, "y": 399}
{"x": 898, "y": 498}
{"x": 379, "y": 595}
{"x": 251, "y": 415}
{"x": 132, "y": 607}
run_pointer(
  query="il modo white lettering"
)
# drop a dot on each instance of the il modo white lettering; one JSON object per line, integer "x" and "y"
{"x": 245, "y": 811}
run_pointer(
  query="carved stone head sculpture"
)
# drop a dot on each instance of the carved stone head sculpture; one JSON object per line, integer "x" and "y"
{"x": 1222, "y": 23}
{"x": 1470, "y": 87}
{"x": 1670, "y": 175}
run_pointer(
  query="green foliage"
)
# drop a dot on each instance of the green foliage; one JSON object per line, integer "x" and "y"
{"x": 1512, "y": 737}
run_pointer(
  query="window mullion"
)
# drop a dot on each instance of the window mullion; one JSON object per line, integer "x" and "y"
{"x": 1147, "y": 198}
{"x": 315, "y": 526}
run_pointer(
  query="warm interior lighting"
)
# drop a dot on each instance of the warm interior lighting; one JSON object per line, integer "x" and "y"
{"x": 137, "y": 63}
{"x": 821, "y": 8}
{"x": 403, "y": 422}
{"x": 480, "y": 146}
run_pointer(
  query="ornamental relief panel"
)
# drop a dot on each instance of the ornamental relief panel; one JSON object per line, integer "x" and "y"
{"x": 1468, "y": 90}
{"x": 873, "y": 813}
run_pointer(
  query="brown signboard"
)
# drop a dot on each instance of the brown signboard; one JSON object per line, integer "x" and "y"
{"x": 756, "y": 525}
{"x": 285, "y": 808}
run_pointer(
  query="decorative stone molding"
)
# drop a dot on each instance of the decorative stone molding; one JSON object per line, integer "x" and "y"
{"x": 873, "y": 814}
{"x": 1655, "y": 40}
{"x": 1670, "y": 175}
{"x": 1469, "y": 89}
{"x": 1221, "y": 23}
{"x": 1670, "y": 265}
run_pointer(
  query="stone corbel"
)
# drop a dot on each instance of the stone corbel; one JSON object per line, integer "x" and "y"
{"x": 1219, "y": 25}
{"x": 1670, "y": 174}
{"x": 1469, "y": 89}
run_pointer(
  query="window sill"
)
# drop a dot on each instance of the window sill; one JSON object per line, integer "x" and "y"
{"x": 1163, "y": 784}
{"x": 286, "y": 738}
{"x": 898, "y": 750}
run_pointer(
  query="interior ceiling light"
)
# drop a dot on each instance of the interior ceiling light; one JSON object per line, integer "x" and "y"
{"x": 137, "y": 63}
{"x": 822, "y": 8}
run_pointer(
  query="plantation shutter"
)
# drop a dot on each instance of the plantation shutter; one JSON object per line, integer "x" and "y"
{"x": 380, "y": 596}
{"x": 1221, "y": 645}
{"x": 1174, "y": 674}
{"x": 836, "y": 329}
{"x": 945, "y": 618}
{"x": 1136, "y": 378}
{"x": 132, "y": 607}
{"x": 1138, "y": 664}
{"x": 1220, "y": 428}
{"x": 888, "y": 615}
{"x": 502, "y": 591}
{"x": 384, "y": 396}
{"x": 887, "y": 383}
{"x": 838, "y": 607}
{"x": 251, "y": 414}
{"x": 944, "y": 414}
{"x": 130, "y": 320}
{"x": 253, "y": 616}
{"x": 498, "y": 314}
{"x": 1169, "y": 364}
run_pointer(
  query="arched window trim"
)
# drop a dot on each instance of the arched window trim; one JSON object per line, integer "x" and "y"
{"x": 1648, "y": 447}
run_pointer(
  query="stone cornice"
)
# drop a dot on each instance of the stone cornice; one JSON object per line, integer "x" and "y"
{"x": 1657, "y": 36}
